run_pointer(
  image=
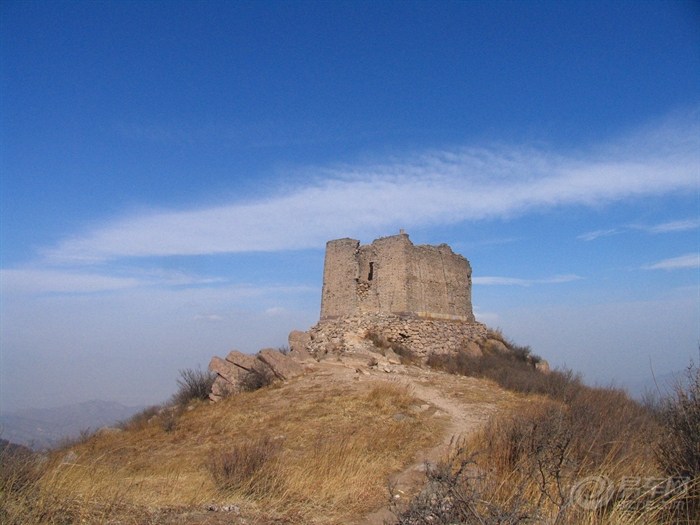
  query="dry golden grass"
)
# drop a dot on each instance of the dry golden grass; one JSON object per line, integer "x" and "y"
{"x": 320, "y": 449}
{"x": 531, "y": 463}
{"x": 334, "y": 447}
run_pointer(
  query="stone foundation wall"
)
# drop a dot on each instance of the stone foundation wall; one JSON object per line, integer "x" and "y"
{"x": 421, "y": 335}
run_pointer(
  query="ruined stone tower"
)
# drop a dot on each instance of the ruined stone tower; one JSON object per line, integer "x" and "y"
{"x": 415, "y": 296}
{"x": 393, "y": 276}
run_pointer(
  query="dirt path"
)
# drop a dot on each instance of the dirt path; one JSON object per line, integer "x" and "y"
{"x": 465, "y": 403}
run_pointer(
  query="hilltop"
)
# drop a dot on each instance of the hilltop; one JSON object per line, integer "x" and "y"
{"x": 360, "y": 440}
{"x": 338, "y": 434}
{"x": 396, "y": 408}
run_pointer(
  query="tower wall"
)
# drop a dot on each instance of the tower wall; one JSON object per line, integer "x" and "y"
{"x": 393, "y": 276}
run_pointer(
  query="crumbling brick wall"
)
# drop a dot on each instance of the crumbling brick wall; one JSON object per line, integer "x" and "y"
{"x": 393, "y": 276}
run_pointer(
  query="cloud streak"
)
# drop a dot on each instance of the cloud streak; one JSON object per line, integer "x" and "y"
{"x": 597, "y": 234}
{"x": 515, "y": 281}
{"x": 675, "y": 226}
{"x": 691, "y": 260}
{"x": 43, "y": 280}
{"x": 665, "y": 227}
{"x": 436, "y": 187}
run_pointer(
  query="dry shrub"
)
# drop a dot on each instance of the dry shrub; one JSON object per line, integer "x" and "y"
{"x": 20, "y": 468}
{"x": 165, "y": 416}
{"x": 514, "y": 370}
{"x": 554, "y": 444}
{"x": 245, "y": 466}
{"x": 141, "y": 419}
{"x": 457, "y": 491}
{"x": 193, "y": 384}
{"x": 679, "y": 449}
{"x": 523, "y": 465}
{"x": 257, "y": 379}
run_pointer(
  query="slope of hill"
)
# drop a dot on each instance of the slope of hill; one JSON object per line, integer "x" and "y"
{"x": 362, "y": 440}
{"x": 318, "y": 449}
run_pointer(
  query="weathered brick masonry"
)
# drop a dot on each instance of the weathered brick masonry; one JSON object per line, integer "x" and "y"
{"x": 418, "y": 296}
{"x": 392, "y": 275}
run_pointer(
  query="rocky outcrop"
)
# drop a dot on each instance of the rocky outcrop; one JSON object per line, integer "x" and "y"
{"x": 282, "y": 366}
{"x": 239, "y": 372}
{"x": 241, "y": 360}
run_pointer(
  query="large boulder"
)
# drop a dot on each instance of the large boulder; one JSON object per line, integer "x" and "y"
{"x": 241, "y": 360}
{"x": 282, "y": 366}
{"x": 221, "y": 389}
{"x": 230, "y": 378}
{"x": 223, "y": 368}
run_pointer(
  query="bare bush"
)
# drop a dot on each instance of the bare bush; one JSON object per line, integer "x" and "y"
{"x": 243, "y": 466}
{"x": 257, "y": 379}
{"x": 193, "y": 384}
{"x": 407, "y": 356}
{"x": 679, "y": 449}
{"x": 19, "y": 470}
{"x": 457, "y": 491}
{"x": 513, "y": 371}
{"x": 529, "y": 460}
{"x": 141, "y": 419}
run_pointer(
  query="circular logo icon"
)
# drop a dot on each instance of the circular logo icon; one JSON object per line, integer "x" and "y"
{"x": 592, "y": 492}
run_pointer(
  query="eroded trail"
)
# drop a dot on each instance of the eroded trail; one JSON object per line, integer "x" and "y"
{"x": 464, "y": 403}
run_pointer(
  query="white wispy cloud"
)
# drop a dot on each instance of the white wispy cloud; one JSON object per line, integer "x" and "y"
{"x": 76, "y": 280}
{"x": 274, "y": 311}
{"x": 435, "y": 187}
{"x": 675, "y": 226}
{"x": 57, "y": 281}
{"x": 214, "y": 318}
{"x": 597, "y": 234}
{"x": 515, "y": 281}
{"x": 665, "y": 227}
{"x": 690, "y": 260}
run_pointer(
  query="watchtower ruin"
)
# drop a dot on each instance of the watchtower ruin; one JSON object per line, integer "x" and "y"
{"x": 394, "y": 276}
{"x": 417, "y": 296}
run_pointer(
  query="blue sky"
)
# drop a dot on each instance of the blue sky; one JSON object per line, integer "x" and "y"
{"x": 171, "y": 171}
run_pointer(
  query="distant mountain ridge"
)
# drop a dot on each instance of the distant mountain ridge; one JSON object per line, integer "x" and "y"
{"x": 41, "y": 428}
